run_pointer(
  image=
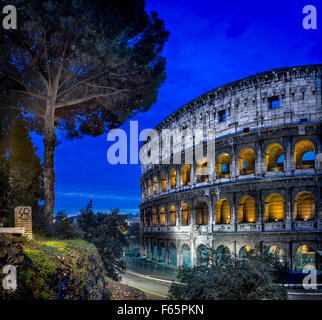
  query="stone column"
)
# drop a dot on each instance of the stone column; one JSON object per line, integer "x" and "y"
{"x": 23, "y": 219}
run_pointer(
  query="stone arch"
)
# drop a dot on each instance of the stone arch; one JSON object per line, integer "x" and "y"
{"x": 245, "y": 251}
{"x": 274, "y": 208}
{"x": 162, "y": 216}
{"x": 154, "y": 217}
{"x": 202, "y": 255}
{"x": 223, "y": 165}
{"x": 223, "y": 254}
{"x": 246, "y": 210}
{"x": 222, "y": 211}
{"x": 149, "y": 187}
{"x": 163, "y": 182}
{"x": 173, "y": 178}
{"x": 304, "y": 256}
{"x": 185, "y": 214}
{"x": 162, "y": 252}
{"x": 145, "y": 189}
{"x": 155, "y": 251}
{"x": 172, "y": 254}
{"x": 202, "y": 170}
{"x": 202, "y": 213}
{"x": 155, "y": 185}
{"x": 304, "y": 206}
{"x": 185, "y": 175}
{"x": 302, "y": 149}
{"x": 172, "y": 216}
{"x": 185, "y": 256}
{"x": 246, "y": 161}
{"x": 276, "y": 252}
{"x": 274, "y": 157}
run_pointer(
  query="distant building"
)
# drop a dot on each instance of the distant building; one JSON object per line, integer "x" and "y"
{"x": 259, "y": 188}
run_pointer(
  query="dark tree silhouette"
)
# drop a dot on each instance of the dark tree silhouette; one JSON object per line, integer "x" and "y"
{"x": 80, "y": 66}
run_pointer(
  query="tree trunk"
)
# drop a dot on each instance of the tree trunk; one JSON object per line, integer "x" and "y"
{"x": 49, "y": 175}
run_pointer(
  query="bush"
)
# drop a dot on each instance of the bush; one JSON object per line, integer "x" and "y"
{"x": 251, "y": 278}
{"x": 64, "y": 228}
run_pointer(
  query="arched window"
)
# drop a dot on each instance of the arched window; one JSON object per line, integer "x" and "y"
{"x": 162, "y": 252}
{"x": 244, "y": 252}
{"x": 223, "y": 166}
{"x": 144, "y": 218}
{"x": 148, "y": 218}
{"x": 149, "y": 188}
{"x": 274, "y": 208}
{"x": 273, "y": 159}
{"x": 172, "y": 254}
{"x": 304, "y": 155}
{"x": 246, "y": 209}
{"x": 173, "y": 178}
{"x": 222, "y": 255}
{"x": 162, "y": 217}
{"x": 304, "y": 206}
{"x": 172, "y": 216}
{"x": 155, "y": 251}
{"x": 185, "y": 215}
{"x": 202, "y": 170}
{"x": 185, "y": 175}
{"x": 163, "y": 182}
{"x": 305, "y": 256}
{"x": 202, "y": 213}
{"x": 155, "y": 185}
{"x": 202, "y": 255}
{"x": 276, "y": 252}
{"x": 154, "y": 217}
{"x": 145, "y": 189}
{"x": 186, "y": 256}
{"x": 222, "y": 212}
{"x": 246, "y": 161}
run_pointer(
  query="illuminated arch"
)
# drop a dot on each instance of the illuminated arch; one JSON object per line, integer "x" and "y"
{"x": 163, "y": 182}
{"x": 276, "y": 252}
{"x": 222, "y": 255}
{"x": 246, "y": 251}
{"x": 222, "y": 212}
{"x": 304, "y": 256}
{"x": 155, "y": 251}
{"x": 304, "y": 206}
{"x": 202, "y": 213}
{"x": 173, "y": 178}
{"x": 149, "y": 188}
{"x": 274, "y": 157}
{"x": 246, "y": 161}
{"x": 155, "y": 185}
{"x": 185, "y": 175}
{"x": 162, "y": 217}
{"x": 304, "y": 155}
{"x": 274, "y": 208}
{"x": 246, "y": 209}
{"x": 223, "y": 166}
{"x": 145, "y": 189}
{"x": 202, "y": 255}
{"x": 173, "y": 254}
{"x": 172, "y": 216}
{"x": 154, "y": 217}
{"x": 202, "y": 170}
{"x": 162, "y": 252}
{"x": 185, "y": 215}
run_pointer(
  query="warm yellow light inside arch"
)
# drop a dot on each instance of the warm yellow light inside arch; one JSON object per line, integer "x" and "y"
{"x": 274, "y": 208}
{"x": 154, "y": 217}
{"x": 272, "y": 153}
{"x": 304, "y": 206}
{"x": 155, "y": 185}
{"x": 172, "y": 216}
{"x": 185, "y": 175}
{"x": 222, "y": 211}
{"x": 163, "y": 182}
{"x": 202, "y": 213}
{"x": 162, "y": 216}
{"x": 222, "y": 159}
{"x": 300, "y": 149}
{"x": 173, "y": 178}
{"x": 246, "y": 209}
{"x": 185, "y": 215}
{"x": 149, "y": 188}
{"x": 202, "y": 170}
{"x": 246, "y": 155}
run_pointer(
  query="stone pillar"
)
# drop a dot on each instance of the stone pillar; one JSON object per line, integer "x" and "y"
{"x": 167, "y": 251}
{"x": 288, "y": 216}
{"x": 288, "y": 159}
{"x": 23, "y": 219}
{"x": 259, "y": 165}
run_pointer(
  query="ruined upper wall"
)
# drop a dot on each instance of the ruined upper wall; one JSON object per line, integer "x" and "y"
{"x": 247, "y": 105}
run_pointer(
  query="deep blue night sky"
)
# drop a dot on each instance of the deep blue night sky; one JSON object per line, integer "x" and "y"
{"x": 211, "y": 43}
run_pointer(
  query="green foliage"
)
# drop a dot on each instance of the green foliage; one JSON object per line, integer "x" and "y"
{"x": 250, "y": 278}
{"x": 108, "y": 233}
{"x": 133, "y": 234}
{"x": 64, "y": 227}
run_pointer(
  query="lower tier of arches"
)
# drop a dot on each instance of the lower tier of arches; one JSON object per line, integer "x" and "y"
{"x": 300, "y": 250}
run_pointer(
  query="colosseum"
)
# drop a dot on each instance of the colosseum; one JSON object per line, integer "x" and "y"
{"x": 239, "y": 168}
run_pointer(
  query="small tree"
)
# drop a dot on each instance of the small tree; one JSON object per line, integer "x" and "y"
{"x": 82, "y": 67}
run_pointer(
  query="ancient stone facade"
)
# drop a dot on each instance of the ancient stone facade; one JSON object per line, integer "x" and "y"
{"x": 238, "y": 168}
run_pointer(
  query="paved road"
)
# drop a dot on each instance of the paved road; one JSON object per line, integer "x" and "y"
{"x": 154, "y": 289}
